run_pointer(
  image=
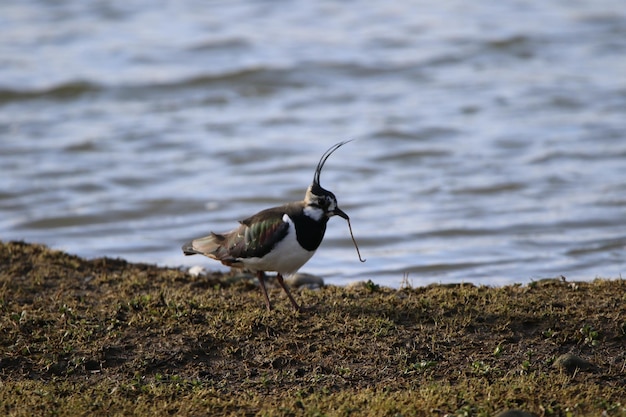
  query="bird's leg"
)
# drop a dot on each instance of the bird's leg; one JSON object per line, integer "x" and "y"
{"x": 279, "y": 277}
{"x": 261, "y": 277}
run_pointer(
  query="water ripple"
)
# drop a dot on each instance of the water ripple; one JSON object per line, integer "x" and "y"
{"x": 490, "y": 137}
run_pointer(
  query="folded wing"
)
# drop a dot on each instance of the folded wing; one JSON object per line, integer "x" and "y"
{"x": 255, "y": 237}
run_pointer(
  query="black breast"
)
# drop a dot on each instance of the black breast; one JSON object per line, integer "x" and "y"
{"x": 308, "y": 231}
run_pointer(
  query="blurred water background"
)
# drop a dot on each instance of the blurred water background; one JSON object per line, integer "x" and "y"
{"x": 491, "y": 136}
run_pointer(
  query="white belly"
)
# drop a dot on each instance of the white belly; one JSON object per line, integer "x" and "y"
{"x": 286, "y": 257}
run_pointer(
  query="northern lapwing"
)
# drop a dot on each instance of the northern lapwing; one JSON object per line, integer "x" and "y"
{"x": 279, "y": 239}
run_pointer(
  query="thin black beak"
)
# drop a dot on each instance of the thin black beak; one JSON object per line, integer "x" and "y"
{"x": 340, "y": 213}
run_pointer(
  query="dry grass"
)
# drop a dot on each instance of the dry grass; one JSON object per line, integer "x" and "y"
{"x": 105, "y": 337}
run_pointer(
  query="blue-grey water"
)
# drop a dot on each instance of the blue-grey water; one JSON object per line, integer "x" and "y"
{"x": 491, "y": 136}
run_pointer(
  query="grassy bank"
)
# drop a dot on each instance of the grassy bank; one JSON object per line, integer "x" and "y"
{"x": 106, "y": 337}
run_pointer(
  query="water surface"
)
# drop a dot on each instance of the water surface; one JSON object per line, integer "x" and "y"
{"x": 491, "y": 144}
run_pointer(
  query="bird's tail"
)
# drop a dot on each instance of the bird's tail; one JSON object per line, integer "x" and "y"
{"x": 208, "y": 245}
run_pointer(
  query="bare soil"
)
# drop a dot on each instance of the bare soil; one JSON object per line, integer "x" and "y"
{"x": 107, "y": 337}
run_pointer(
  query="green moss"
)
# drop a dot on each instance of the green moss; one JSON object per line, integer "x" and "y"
{"x": 106, "y": 337}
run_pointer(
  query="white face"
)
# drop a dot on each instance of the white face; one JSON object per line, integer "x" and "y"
{"x": 314, "y": 212}
{"x": 326, "y": 202}
{"x": 319, "y": 207}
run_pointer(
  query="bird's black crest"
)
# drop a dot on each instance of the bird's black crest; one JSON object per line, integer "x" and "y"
{"x": 320, "y": 164}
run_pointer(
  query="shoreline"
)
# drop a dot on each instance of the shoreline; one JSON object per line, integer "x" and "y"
{"x": 106, "y": 337}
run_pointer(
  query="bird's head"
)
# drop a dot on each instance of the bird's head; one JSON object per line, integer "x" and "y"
{"x": 319, "y": 202}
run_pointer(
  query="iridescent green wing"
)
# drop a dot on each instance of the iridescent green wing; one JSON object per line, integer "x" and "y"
{"x": 258, "y": 234}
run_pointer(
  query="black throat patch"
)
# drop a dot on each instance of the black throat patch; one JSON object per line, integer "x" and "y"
{"x": 309, "y": 232}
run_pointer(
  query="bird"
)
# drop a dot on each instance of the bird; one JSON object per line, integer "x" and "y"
{"x": 278, "y": 239}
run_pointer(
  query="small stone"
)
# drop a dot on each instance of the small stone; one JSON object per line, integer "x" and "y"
{"x": 515, "y": 413}
{"x": 571, "y": 363}
{"x": 196, "y": 271}
{"x": 355, "y": 285}
{"x": 303, "y": 280}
